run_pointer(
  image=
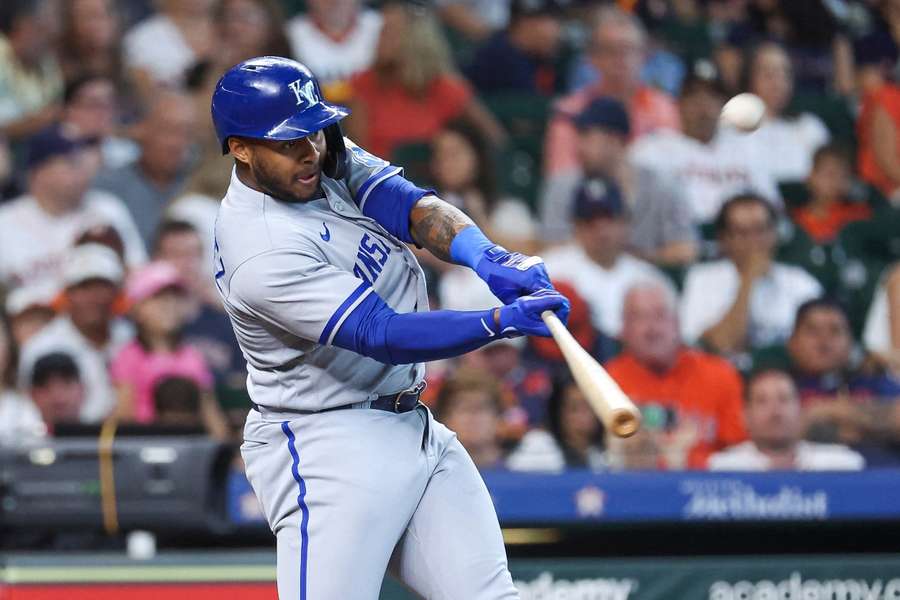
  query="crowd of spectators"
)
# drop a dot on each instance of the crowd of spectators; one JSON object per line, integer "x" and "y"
{"x": 743, "y": 289}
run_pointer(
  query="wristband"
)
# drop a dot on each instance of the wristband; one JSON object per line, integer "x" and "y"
{"x": 469, "y": 246}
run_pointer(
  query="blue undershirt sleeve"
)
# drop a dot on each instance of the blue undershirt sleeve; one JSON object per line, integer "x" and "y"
{"x": 388, "y": 198}
{"x": 374, "y": 330}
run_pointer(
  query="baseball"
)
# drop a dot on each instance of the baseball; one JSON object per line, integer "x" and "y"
{"x": 744, "y": 112}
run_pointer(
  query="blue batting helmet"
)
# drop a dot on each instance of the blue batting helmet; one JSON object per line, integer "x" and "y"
{"x": 276, "y": 98}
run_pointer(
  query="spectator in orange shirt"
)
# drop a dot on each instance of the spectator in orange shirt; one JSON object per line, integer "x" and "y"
{"x": 691, "y": 400}
{"x": 617, "y": 47}
{"x": 411, "y": 90}
{"x": 878, "y": 130}
{"x": 828, "y": 211}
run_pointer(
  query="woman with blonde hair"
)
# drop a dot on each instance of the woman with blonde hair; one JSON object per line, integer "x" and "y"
{"x": 412, "y": 89}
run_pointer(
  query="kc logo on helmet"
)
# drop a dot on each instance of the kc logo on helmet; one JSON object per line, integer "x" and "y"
{"x": 304, "y": 92}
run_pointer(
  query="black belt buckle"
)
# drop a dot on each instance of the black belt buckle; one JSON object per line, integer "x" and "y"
{"x": 415, "y": 392}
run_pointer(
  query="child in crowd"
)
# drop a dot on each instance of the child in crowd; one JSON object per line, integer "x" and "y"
{"x": 155, "y": 294}
{"x": 828, "y": 209}
{"x": 177, "y": 401}
{"x": 470, "y": 403}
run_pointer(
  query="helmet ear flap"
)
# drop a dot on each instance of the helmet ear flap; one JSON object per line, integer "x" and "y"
{"x": 335, "y": 165}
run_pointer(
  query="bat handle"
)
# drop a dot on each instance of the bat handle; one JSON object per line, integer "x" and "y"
{"x": 552, "y": 322}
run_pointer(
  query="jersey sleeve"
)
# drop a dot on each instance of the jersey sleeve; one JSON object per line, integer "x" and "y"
{"x": 380, "y": 191}
{"x": 297, "y": 293}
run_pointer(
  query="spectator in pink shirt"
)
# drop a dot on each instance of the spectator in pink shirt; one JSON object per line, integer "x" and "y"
{"x": 156, "y": 295}
{"x": 617, "y": 49}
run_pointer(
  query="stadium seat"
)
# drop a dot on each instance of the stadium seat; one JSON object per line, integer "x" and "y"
{"x": 519, "y": 175}
{"x": 524, "y": 116}
{"x": 862, "y": 252}
{"x": 794, "y": 193}
{"x": 795, "y": 247}
{"x": 675, "y": 273}
{"x": 414, "y": 158}
{"x": 834, "y": 110}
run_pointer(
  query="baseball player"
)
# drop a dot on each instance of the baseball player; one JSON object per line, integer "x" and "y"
{"x": 330, "y": 308}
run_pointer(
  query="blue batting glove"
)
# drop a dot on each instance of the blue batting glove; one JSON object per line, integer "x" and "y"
{"x": 511, "y": 274}
{"x": 508, "y": 274}
{"x": 523, "y": 315}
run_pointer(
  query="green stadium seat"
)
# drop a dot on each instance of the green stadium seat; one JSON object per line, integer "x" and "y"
{"x": 862, "y": 252}
{"x": 675, "y": 273}
{"x": 462, "y": 49}
{"x": 524, "y": 116}
{"x": 796, "y": 248}
{"x": 519, "y": 175}
{"x": 414, "y": 158}
{"x": 794, "y": 193}
{"x": 834, "y": 110}
{"x": 767, "y": 357}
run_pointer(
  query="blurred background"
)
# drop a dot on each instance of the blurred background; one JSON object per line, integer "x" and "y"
{"x": 743, "y": 289}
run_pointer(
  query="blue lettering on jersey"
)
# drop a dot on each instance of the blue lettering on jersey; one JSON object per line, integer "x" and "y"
{"x": 371, "y": 256}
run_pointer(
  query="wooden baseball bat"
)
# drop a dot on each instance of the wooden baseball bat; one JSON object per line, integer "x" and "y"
{"x": 618, "y": 414}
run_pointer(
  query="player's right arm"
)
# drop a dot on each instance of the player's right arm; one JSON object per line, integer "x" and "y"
{"x": 316, "y": 301}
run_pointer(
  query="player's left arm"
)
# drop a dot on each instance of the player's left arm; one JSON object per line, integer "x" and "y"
{"x": 450, "y": 235}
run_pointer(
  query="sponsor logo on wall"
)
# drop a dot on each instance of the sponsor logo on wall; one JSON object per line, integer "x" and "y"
{"x": 734, "y": 499}
{"x": 545, "y": 587}
{"x": 796, "y": 587}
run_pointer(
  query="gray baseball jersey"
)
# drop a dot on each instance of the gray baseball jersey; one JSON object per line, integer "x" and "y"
{"x": 285, "y": 272}
{"x": 347, "y": 491}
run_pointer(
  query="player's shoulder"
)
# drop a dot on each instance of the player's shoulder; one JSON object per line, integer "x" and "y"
{"x": 250, "y": 223}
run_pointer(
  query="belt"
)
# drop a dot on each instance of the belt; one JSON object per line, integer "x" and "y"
{"x": 400, "y": 402}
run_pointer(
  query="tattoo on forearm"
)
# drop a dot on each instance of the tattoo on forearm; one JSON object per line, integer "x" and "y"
{"x": 434, "y": 223}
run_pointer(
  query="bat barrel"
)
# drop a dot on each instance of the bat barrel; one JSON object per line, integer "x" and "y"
{"x": 617, "y": 413}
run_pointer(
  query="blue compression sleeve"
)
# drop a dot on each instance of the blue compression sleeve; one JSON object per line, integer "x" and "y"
{"x": 469, "y": 246}
{"x": 390, "y": 200}
{"x": 373, "y": 329}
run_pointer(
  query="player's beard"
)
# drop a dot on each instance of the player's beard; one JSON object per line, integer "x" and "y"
{"x": 271, "y": 185}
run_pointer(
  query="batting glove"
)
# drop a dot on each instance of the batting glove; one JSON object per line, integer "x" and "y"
{"x": 523, "y": 315}
{"x": 511, "y": 274}
{"x": 508, "y": 274}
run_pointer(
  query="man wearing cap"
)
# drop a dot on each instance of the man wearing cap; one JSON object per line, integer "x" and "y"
{"x": 522, "y": 57}
{"x": 29, "y": 310}
{"x": 88, "y": 330}
{"x": 596, "y": 263}
{"x": 37, "y": 229}
{"x": 709, "y": 165}
{"x": 662, "y": 228}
